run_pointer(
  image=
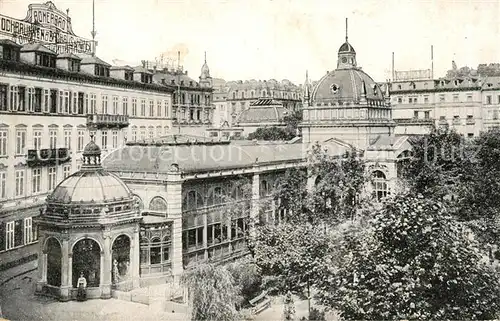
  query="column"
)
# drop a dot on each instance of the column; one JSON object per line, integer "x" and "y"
{"x": 254, "y": 209}
{"x": 106, "y": 267}
{"x": 174, "y": 212}
{"x": 42, "y": 266}
{"x": 205, "y": 234}
{"x": 65, "y": 286}
{"x": 135, "y": 259}
{"x": 70, "y": 269}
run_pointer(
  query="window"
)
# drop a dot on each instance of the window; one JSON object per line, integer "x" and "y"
{"x": 66, "y": 171}
{"x": 21, "y": 98}
{"x": 134, "y": 107}
{"x": 442, "y": 98}
{"x": 151, "y": 108}
{"x": 151, "y": 133}
{"x": 455, "y": 98}
{"x": 165, "y": 105}
{"x": 53, "y": 138}
{"x": 143, "y": 107}
{"x": 426, "y": 114}
{"x": 488, "y": 100}
{"x": 80, "y": 143}
{"x": 28, "y": 230}
{"x": 66, "y": 102}
{"x": 134, "y": 135}
{"x": 158, "y": 108}
{"x": 115, "y": 105}
{"x": 415, "y": 114}
{"x": 469, "y": 97}
{"x": 3, "y": 97}
{"x": 379, "y": 185}
{"x": 19, "y": 183}
{"x": 143, "y": 134}
{"x": 3, "y": 142}
{"x": 470, "y": 135}
{"x": 74, "y": 103}
{"x": 125, "y": 105}
{"x": 400, "y": 100}
{"x": 495, "y": 114}
{"x": 52, "y": 178}
{"x": 13, "y": 97}
{"x": 46, "y": 100}
{"x": 31, "y": 99}
{"x": 410, "y": 100}
{"x": 104, "y": 99}
{"x": 37, "y": 102}
{"x": 20, "y": 141}
{"x": 10, "y": 235}
{"x": 192, "y": 238}
{"x": 426, "y": 99}
{"x": 36, "y": 178}
{"x": 53, "y": 101}
{"x": 104, "y": 140}
{"x": 93, "y": 104}
{"x": 80, "y": 109}
{"x": 67, "y": 138}
{"x": 3, "y": 185}
{"x": 114, "y": 139}
{"x": 18, "y": 232}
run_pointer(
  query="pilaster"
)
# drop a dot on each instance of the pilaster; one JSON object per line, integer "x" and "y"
{"x": 254, "y": 209}
{"x": 135, "y": 263}
{"x": 106, "y": 267}
{"x": 174, "y": 212}
{"x": 65, "y": 286}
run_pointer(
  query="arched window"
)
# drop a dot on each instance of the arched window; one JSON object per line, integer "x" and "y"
{"x": 192, "y": 200}
{"x": 216, "y": 196}
{"x": 265, "y": 188}
{"x": 138, "y": 201}
{"x": 158, "y": 204}
{"x": 155, "y": 250}
{"x": 379, "y": 185}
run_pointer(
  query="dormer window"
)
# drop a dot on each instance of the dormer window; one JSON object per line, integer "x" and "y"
{"x": 129, "y": 75}
{"x": 10, "y": 52}
{"x": 45, "y": 60}
{"x": 101, "y": 71}
{"x": 146, "y": 78}
{"x": 74, "y": 65}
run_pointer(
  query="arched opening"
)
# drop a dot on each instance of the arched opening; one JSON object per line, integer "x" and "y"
{"x": 380, "y": 188}
{"x": 193, "y": 200}
{"x": 155, "y": 250}
{"x": 121, "y": 259}
{"x": 158, "y": 204}
{"x": 138, "y": 200}
{"x": 87, "y": 260}
{"x": 54, "y": 256}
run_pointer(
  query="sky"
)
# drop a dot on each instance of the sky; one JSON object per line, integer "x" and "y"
{"x": 281, "y": 39}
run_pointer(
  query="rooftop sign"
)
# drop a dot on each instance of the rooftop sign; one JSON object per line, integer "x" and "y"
{"x": 412, "y": 75}
{"x": 45, "y": 24}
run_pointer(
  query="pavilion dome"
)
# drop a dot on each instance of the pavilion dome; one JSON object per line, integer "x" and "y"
{"x": 346, "y": 85}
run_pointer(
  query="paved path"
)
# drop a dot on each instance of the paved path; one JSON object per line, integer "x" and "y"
{"x": 18, "y": 302}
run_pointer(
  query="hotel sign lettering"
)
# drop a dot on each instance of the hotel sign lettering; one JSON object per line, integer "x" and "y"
{"x": 45, "y": 24}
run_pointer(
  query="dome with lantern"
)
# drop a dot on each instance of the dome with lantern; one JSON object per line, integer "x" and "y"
{"x": 348, "y": 84}
{"x": 91, "y": 192}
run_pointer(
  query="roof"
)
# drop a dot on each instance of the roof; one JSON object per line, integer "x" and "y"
{"x": 262, "y": 114}
{"x": 180, "y": 139}
{"x": 90, "y": 186}
{"x": 121, "y": 68}
{"x": 265, "y": 102}
{"x": 68, "y": 55}
{"x": 177, "y": 77}
{"x": 37, "y": 47}
{"x": 389, "y": 143}
{"x": 143, "y": 70}
{"x": 201, "y": 158}
{"x": 346, "y": 47}
{"x": 94, "y": 60}
{"x": 10, "y": 43}
{"x": 346, "y": 85}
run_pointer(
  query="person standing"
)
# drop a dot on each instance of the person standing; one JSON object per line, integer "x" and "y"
{"x": 82, "y": 288}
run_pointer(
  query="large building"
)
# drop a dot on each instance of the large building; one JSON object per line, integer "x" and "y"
{"x": 53, "y": 95}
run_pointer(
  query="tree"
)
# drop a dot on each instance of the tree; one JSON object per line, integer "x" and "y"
{"x": 271, "y": 134}
{"x": 441, "y": 164}
{"x": 412, "y": 261}
{"x": 213, "y": 293}
{"x": 248, "y": 276}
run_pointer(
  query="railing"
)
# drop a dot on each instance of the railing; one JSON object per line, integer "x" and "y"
{"x": 47, "y": 157}
{"x": 107, "y": 121}
{"x": 414, "y": 121}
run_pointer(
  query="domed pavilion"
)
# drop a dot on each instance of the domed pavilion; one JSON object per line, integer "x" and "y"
{"x": 346, "y": 104}
{"x": 90, "y": 225}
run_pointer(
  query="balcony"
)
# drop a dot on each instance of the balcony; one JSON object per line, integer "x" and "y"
{"x": 99, "y": 121}
{"x": 48, "y": 157}
{"x": 470, "y": 121}
{"x": 415, "y": 121}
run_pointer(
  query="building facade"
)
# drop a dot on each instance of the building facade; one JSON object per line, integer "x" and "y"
{"x": 52, "y": 96}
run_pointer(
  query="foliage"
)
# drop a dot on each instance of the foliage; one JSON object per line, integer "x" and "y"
{"x": 289, "y": 307}
{"x": 315, "y": 315}
{"x": 441, "y": 163}
{"x": 340, "y": 184}
{"x": 247, "y": 275}
{"x": 291, "y": 194}
{"x": 289, "y": 255}
{"x": 213, "y": 293}
{"x": 412, "y": 261}
{"x": 271, "y": 133}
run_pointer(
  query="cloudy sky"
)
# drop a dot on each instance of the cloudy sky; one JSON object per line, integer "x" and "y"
{"x": 280, "y": 39}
